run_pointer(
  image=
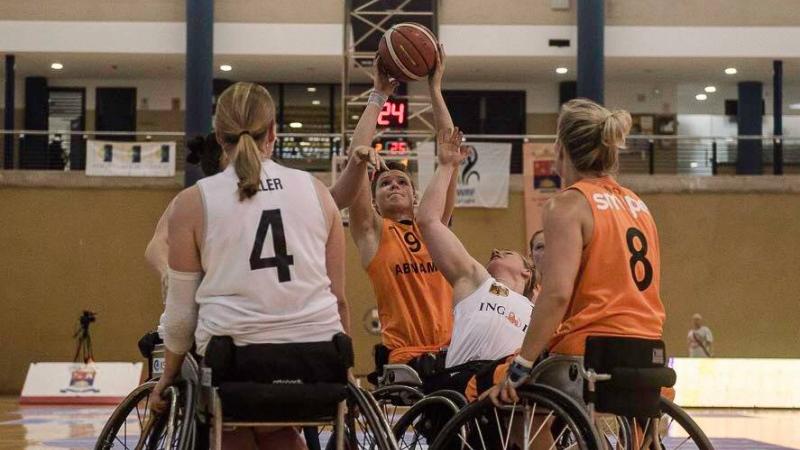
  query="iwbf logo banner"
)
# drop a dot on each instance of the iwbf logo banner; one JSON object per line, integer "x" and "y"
{"x": 482, "y": 178}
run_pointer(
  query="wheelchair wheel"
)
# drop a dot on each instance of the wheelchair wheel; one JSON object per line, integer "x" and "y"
{"x": 420, "y": 425}
{"x": 365, "y": 427}
{"x": 394, "y": 401}
{"x": 614, "y": 432}
{"x": 543, "y": 417}
{"x": 133, "y": 425}
{"x": 676, "y": 429}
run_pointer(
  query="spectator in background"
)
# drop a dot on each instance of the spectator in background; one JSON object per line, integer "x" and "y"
{"x": 700, "y": 339}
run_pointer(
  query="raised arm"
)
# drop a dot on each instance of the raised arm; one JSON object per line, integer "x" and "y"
{"x": 443, "y": 121}
{"x": 365, "y": 223}
{"x": 458, "y": 267}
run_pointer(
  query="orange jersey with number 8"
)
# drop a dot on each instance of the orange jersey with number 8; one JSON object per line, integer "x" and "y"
{"x": 617, "y": 290}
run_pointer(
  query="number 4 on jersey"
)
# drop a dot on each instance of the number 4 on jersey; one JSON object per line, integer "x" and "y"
{"x": 281, "y": 261}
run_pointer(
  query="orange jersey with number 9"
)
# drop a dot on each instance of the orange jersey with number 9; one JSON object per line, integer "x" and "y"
{"x": 617, "y": 290}
{"x": 415, "y": 301}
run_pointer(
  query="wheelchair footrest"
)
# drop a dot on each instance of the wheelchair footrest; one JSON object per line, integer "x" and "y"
{"x": 248, "y": 401}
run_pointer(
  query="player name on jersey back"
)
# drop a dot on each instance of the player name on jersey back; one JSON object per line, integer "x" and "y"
{"x": 270, "y": 184}
{"x": 608, "y": 201}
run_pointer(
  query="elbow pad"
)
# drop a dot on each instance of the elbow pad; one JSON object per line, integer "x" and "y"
{"x": 179, "y": 320}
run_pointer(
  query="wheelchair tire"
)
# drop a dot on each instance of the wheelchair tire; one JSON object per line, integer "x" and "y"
{"x": 394, "y": 400}
{"x": 365, "y": 427}
{"x": 136, "y": 407}
{"x": 674, "y": 415}
{"x": 479, "y": 424}
{"x": 420, "y": 425}
{"x": 456, "y": 397}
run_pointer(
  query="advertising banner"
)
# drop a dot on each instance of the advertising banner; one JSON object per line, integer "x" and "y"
{"x": 483, "y": 178}
{"x": 130, "y": 159}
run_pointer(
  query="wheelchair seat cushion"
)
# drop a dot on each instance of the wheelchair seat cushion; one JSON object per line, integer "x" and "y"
{"x": 249, "y": 401}
{"x": 638, "y": 371}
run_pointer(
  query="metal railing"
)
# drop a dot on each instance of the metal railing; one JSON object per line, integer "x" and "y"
{"x": 645, "y": 154}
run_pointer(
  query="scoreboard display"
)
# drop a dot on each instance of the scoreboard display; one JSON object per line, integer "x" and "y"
{"x": 394, "y": 114}
{"x": 396, "y": 146}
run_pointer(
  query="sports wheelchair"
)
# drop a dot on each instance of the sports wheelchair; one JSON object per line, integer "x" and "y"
{"x": 415, "y": 410}
{"x": 202, "y": 403}
{"x": 618, "y": 383}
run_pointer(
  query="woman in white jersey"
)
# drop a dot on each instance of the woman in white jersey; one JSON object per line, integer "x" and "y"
{"x": 256, "y": 253}
{"x": 491, "y": 311}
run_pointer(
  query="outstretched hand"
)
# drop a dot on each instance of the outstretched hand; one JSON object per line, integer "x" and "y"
{"x": 367, "y": 154}
{"x": 381, "y": 80}
{"x": 450, "y": 151}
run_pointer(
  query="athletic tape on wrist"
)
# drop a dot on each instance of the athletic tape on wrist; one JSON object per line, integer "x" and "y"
{"x": 377, "y": 98}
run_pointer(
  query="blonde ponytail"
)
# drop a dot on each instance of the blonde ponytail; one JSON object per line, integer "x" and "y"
{"x": 247, "y": 164}
{"x": 245, "y": 115}
{"x": 592, "y": 135}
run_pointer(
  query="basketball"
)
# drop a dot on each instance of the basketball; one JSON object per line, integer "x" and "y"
{"x": 408, "y": 51}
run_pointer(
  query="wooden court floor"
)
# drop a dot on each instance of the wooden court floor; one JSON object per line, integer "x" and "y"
{"x": 76, "y": 427}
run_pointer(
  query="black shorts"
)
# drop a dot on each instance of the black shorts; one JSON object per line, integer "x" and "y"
{"x": 454, "y": 378}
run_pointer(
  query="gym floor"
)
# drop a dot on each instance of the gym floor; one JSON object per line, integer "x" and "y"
{"x": 76, "y": 427}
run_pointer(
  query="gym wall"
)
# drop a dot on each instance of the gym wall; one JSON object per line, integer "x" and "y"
{"x": 732, "y": 257}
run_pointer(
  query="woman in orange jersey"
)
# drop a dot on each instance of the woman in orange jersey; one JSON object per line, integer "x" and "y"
{"x": 601, "y": 264}
{"x": 414, "y": 300}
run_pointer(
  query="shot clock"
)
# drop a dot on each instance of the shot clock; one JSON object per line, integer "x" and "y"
{"x": 394, "y": 114}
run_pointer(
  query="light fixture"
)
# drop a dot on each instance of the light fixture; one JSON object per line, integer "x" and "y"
{"x": 56, "y": 66}
{"x": 311, "y": 89}
{"x": 701, "y": 97}
{"x": 731, "y": 71}
{"x": 710, "y": 89}
{"x": 315, "y": 102}
{"x": 561, "y": 70}
{"x": 355, "y": 116}
{"x": 295, "y": 125}
{"x": 225, "y": 68}
{"x": 794, "y": 106}
{"x": 694, "y": 164}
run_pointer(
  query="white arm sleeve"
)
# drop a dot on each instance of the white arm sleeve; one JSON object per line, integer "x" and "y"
{"x": 179, "y": 320}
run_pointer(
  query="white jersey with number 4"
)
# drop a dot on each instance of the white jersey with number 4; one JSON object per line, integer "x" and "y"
{"x": 264, "y": 261}
{"x": 488, "y": 324}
